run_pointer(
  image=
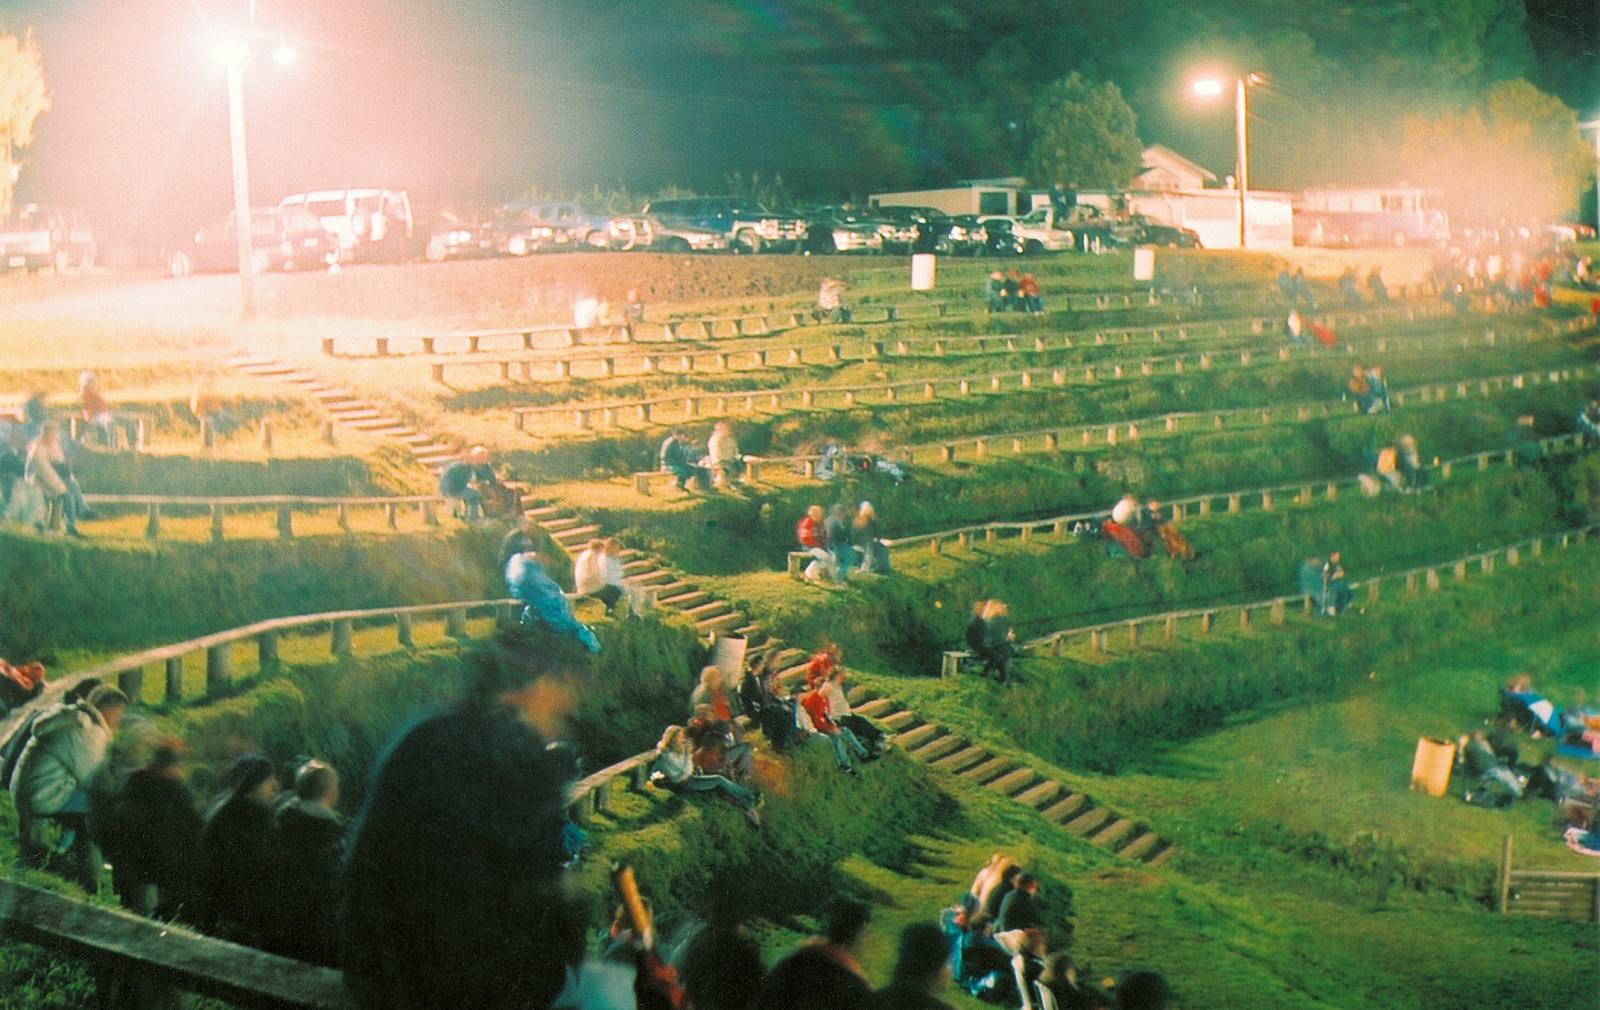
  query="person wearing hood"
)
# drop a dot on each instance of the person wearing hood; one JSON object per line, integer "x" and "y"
{"x": 233, "y": 888}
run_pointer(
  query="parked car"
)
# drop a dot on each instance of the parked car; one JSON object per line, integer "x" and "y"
{"x": 38, "y": 236}
{"x": 754, "y": 228}
{"x": 1137, "y": 230}
{"x": 1043, "y": 229}
{"x": 931, "y": 226}
{"x": 458, "y": 236}
{"x": 374, "y": 225}
{"x": 838, "y": 230}
{"x": 281, "y": 238}
{"x": 662, "y": 232}
{"x": 966, "y": 237}
{"x": 537, "y": 226}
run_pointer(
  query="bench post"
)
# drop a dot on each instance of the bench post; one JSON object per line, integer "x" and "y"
{"x": 152, "y": 525}
{"x": 131, "y": 683}
{"x": 950, "y": 665}
{"x": 174, "y": 676}
{"x": 219, "y": 669}
{"x": 267, "y": 649}
{"x": 285, "y": 522}
{"x": 403, "y": 632}
{"x": 455, "y": 622}
{"x": 342, "y": 644}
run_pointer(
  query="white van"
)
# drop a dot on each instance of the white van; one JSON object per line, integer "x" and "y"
{"x": 375, "y": 225}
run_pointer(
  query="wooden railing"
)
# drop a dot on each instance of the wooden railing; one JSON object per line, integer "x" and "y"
{"x": 285, "y": 507}
{"x": 690, "y": 405}
{"x": 605, "y": 365}
{"x": 1301, "y": 492}
{"x": 1548, "y": 894}
{"x": 1134, "y": 630}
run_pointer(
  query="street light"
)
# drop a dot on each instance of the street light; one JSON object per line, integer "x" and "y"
{"x": 1210, "y": 87}
{"x": 238, "y": 52}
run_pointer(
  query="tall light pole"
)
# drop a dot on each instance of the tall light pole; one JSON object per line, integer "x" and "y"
{"x": 237, "y": 53}
{"x": 1210, "y": 87}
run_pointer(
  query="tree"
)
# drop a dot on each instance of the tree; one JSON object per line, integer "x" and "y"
{"x": 22, "y": 100}
{"x": 1083, "y": 136}
{"x": 1518, "y": 157}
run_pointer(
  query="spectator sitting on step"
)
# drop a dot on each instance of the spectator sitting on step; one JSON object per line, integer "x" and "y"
{"x": 1032, "y": 296}
{"x": 13, "y": 457}
{"x": 674, "y": 768}
{"x": 1589, "y": 425}
{"x": 466, "y": 481}
{"x": 813, "y": 717}
{"x": 830, "y": 302}
{"x": 999, "y": 641}
{"x": 235, "y": 893}
{"x": 210, "y": 409}
{"x": 97, "y": 412}
{"x": 770, "y": 705}
{"x": 722, "y": 450}
{"x": 811, "y": 533}
{"x": 993, "y": 295}
{"x": 986, "y": 878}
{"x": 868, "y": 737}
{"x": 1350, "y": 287}
{"x": 306, "y": 846}
{"x": 867, "y": 534}
{"x": 522, "y": 538}
{"x": 1019, "y": 913}
{"x": 1336, "y": 591}
{"x": 676, "y": 457}
{"x": 50, "y": 468}
{"x": 719, "y": 748}
{"x": 983, "y": 967}
{"x": 1375, "y": 284}
{"x": 1310, "y": 582}
{"x": 543, "y": 600}
{"x": 591, "y": 577}
{"x": 822, "y": 664}
{"x": 1379, "y": 388}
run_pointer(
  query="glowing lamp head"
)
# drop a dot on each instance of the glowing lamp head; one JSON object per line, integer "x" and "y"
{"x": 283, "y": 54}
{"x": 1207, "y": 87}
{"x": 232, "y": 48}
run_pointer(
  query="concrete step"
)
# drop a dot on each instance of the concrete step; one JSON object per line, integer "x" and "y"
{"x": 984, "y": 771}
{"x": 561, "y": 523}
{"x": 1039, "y": 796}
{"x": 638, "y": 567}
{"x": 575, "y": 534}
{"x": 896, "y": 722}
{"x": 1141, "y": 845}
{"x": 1013, "y": 782}
{"x": 683, "y": 599}
{"x": 964, "y": 758}
{"x": 938, "y": 747}
{"x": 657, "y": 578}
{"x": 543, "y": 512}
{"x": 1114, "y": 834}
{"x": 747, "y": 631}
{"x": 1162, "y": 855}
{"x": 875, "y": 708}
{"x": 354, "y": 413}
{"x": 1067, "y": 806}
{"x": 1088, "y": 821}
{"x": 722, "y": 622}
{"x": 712, "y": 608}
{"x": 915, "y": 737}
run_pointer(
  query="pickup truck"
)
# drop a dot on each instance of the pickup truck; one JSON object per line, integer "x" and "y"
{"x": 38, "y": 236}
{"x": 1040, "y": 230}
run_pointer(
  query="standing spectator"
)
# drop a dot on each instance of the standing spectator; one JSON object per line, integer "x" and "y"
{"x": 306, "y": 846}
{"x": 920, "y": 971}
{"x": 13, "y": 458}
{"x": 467, "y": 481}
{"x": 235, "y": 894}
{"x": 867, "y": 533}
{"x": 544, "y": 602}
{"x": 999, "y": 641}
{"x": 97, "y": 411}
{"x": 830, "y": 302}
{"x": 1302, "y": 291}
{"x": 65, "y": 749}
{"x": 1375, "y": 285}
{"x": 837, "y": 534}
{"x": 1336, "y": 591}
{"x": 727, "y": 464}
{"x": 1311, "y": 584}
{"x": 452, "y": 890}
{"x": 34, "y": 414}
{"x": 1032, "y": 296}
{"x": 993, "y": 295}
{"x": 1379, "y": 388}
{"x": 677, "y": 458}
{"x": 823, "y": 972}
{"x": 1349, "y": 286}
{"x": 632, "y": 313}
{"x": 590, "y": 576}
{"x": 50, "y": 468}
{"x": 811, "y": 533}
{"x": 153, "y": 834}
{"x": 1589, "y": 425}
{"x": 1413, "y": 477}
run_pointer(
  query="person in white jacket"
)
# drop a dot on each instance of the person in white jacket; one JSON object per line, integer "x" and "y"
{"x": 51, "y": 781}
{"x": 49, "y": 468}
{"x": 597, "y": 572}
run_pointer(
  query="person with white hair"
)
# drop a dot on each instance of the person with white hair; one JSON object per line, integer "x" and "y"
{"x": 465, "y": 481}
{"x": 867, "y": 534}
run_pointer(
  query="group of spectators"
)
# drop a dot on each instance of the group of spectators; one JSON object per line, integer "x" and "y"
{"x": 1013, "y": 292}
{"x": 840, "y": 543}
{"x": 721, "y": 466}
{"x": 1134, "y": 529}
{"x": 819, "y": 711}
{"x": 1368, "y": 389}
{"x": 37, "y": 483}
{"x": 1397, "y": 466}
{"x": 256, "y": 865}
{"x": 1000, "y": 951}
{"x": 1323, "y": 581}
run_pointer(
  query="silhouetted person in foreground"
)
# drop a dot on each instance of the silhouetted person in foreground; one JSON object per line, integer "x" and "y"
{"x": 922, "y": 970}
{"x": 307, "y": 849}
{"x": 453, "y": 890}
{"x": 823, "y": 972}
{"x": 233, "y": 879}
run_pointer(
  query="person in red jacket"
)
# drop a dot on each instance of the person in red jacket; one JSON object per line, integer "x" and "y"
{"x": 814, "y": 717}
{"x": 813, "y": 538}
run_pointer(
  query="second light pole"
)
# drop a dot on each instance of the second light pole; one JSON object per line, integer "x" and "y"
{"x": 1241, "y": 108}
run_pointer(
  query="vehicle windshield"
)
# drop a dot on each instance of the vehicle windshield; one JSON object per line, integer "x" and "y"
{"x": 298, "y": 219}
{"x": 325, "y": 208}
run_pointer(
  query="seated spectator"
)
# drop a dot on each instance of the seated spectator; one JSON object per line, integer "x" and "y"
{"x": 674, "y": 768}
{"x": 1349, "y": 288}
{"x": 974, "y": 633}
{"x": 712, "y": 690}
{"x": 986, "y": 878}
{"x": 1005, "y": 882}
{"x": 1379, "y": 388}
{"x": 999, "y": 646}
{"x": 677, "y": 457}
{"x": 718, "y": 746}
{"x": 1011, "y": 291}
{"x": 306, "y": 847}
{"x": 210, "y": 409}
{"x": 13, "y": 458}
{"x": 632, "y": 313}
{"x": 49, "y": 469}
{"x": 811, "y": 533}
{"x": 1311, "y": 584}
{"x": 51, "y": 782}
{"x": 722, "y": 449}
{"x": 590, "y": 577}
{"x": 830, "y": 302}
{"x": 824, "y": 971}
{"x": 543, "y": 600}
{"x": 867, "y": 534}
{"x": 1521, "y": 705}
{"x": 822, "y": 664}
{"x": 867, "y": 737}
{"x": 1027, "y": 967}
{"x": 1360, "y": 392}
{"x": 993, "y": 295}
{"x": 452, "y": 891}
{"x": 1019, "y": 913}
{"x": 153, "y": 835}
{"x": 471, "y": 482}
{"x": 235, "y": 891}
{"x": 1172, "y": 541}
{"x": 1032, "y": 296}
{"x": 1126, "y": 510}
{"x": 812, "y": 716}
{"x": 769, "y": 705}
{"x": 983, "y": 967}
{"x": 1336, "y": 591}
{"x": 1387, "y": 466}
{"x": 97, "y": 412}
{"x": 1294, "y": 329}
{"x": 920, "y": 971}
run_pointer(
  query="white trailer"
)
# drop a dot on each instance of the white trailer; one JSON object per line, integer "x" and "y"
{"x": 978, "y": 197}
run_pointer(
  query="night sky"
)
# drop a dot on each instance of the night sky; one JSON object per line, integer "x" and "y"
{"x": 483, "y": 99}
